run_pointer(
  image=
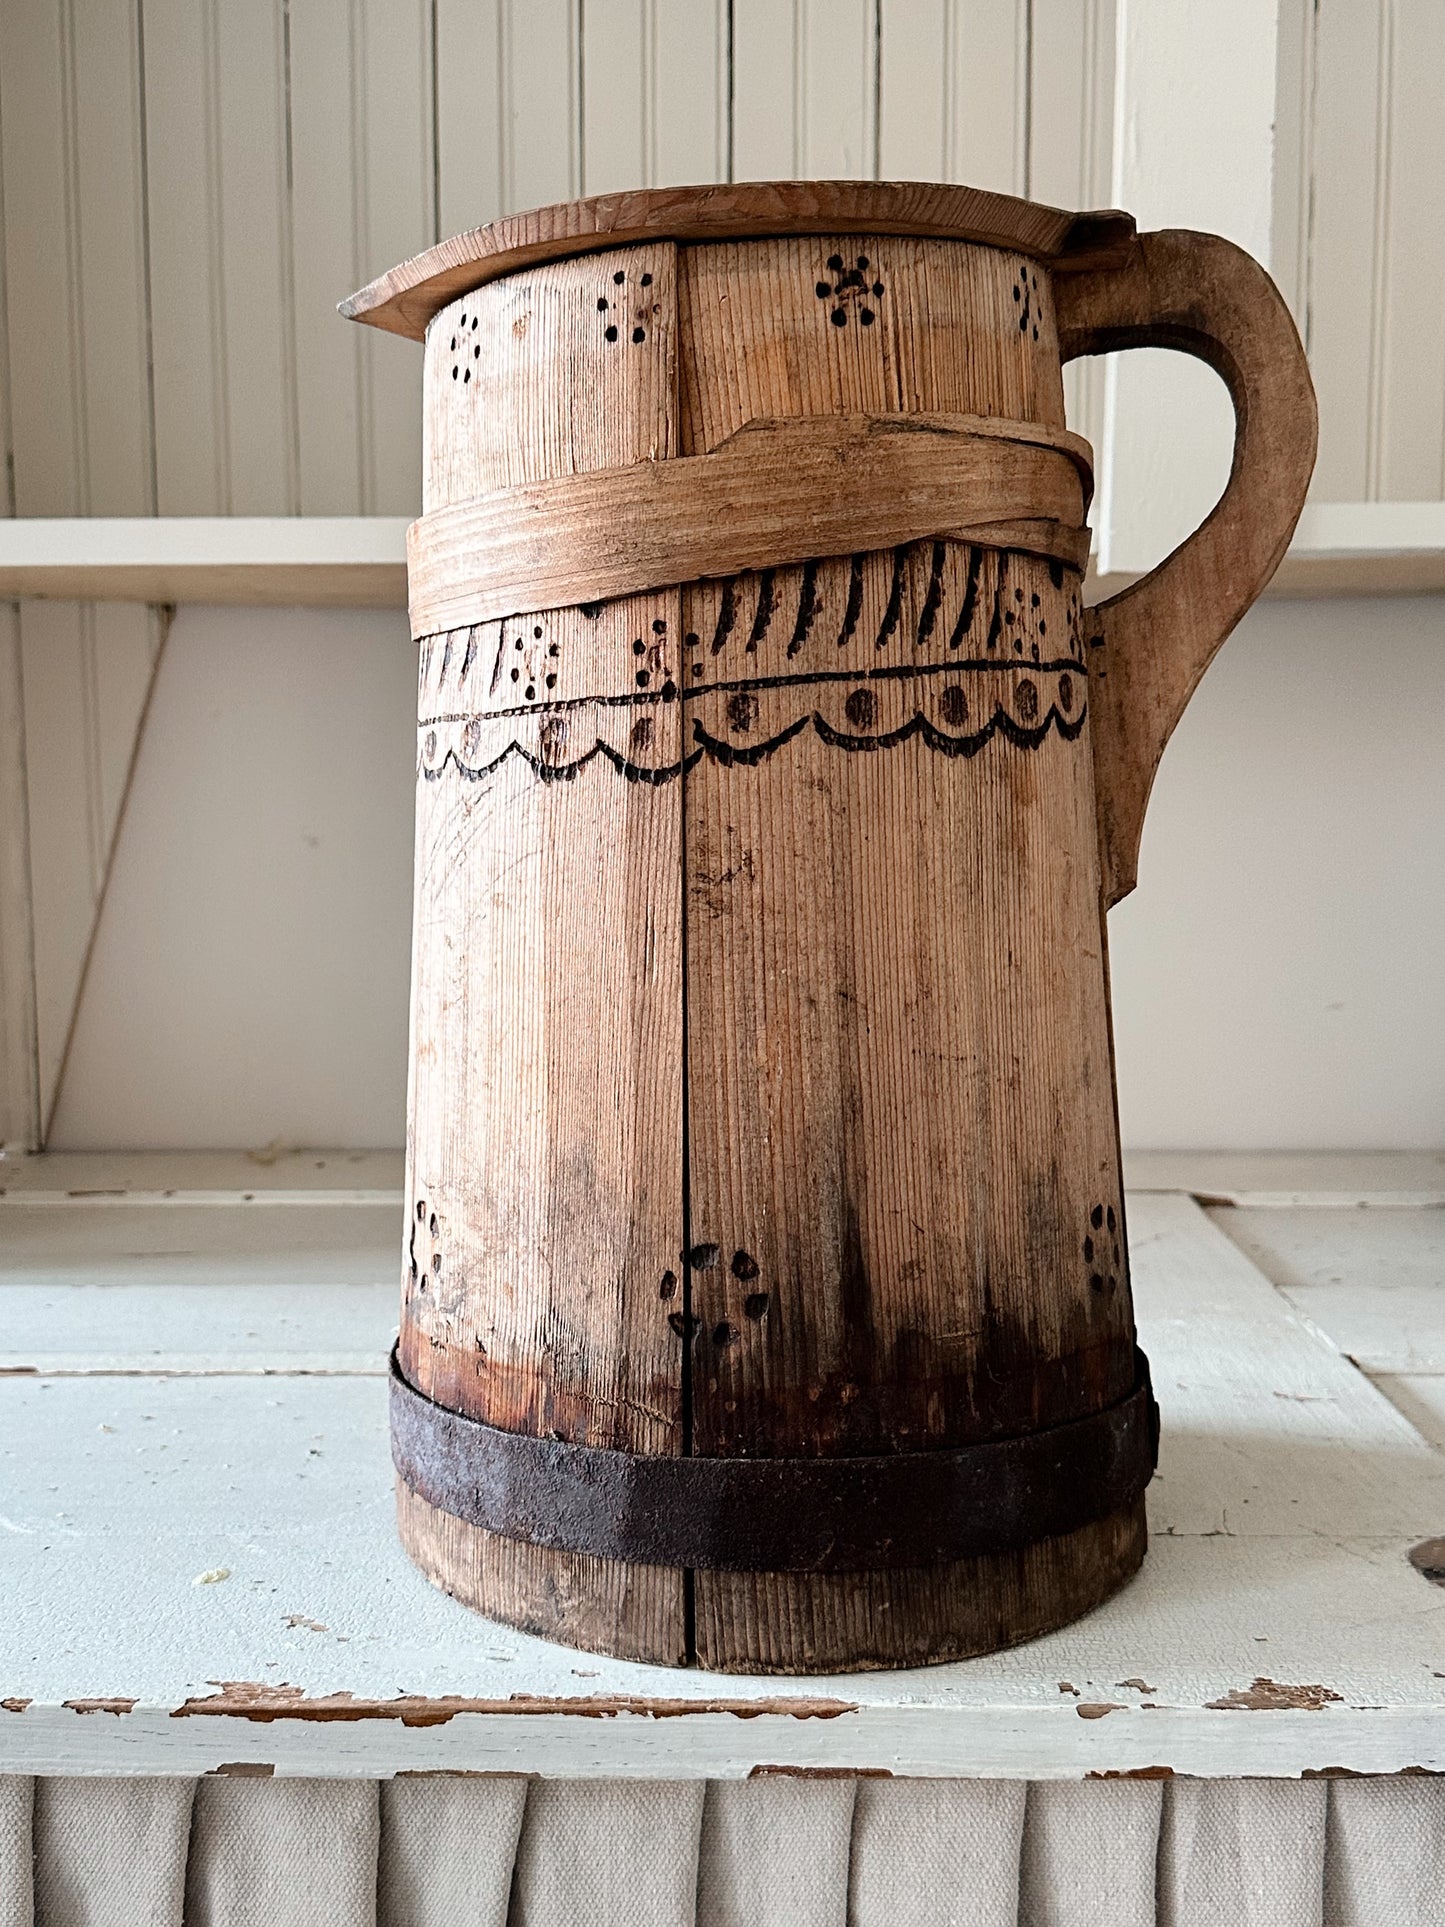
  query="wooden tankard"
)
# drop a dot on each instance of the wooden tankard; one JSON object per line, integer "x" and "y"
{"x": 766, "y": 1300}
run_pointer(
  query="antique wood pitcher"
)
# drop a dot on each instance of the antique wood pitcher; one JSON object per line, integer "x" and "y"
{"x": 766, "y": 1299}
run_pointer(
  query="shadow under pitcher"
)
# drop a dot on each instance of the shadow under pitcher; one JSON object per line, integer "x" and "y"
{"x": 765, "y": 1291}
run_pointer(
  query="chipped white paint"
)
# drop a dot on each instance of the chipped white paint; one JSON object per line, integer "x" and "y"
{"x": 1372, "y": 1280}
{"x": 1288, "y": 1495}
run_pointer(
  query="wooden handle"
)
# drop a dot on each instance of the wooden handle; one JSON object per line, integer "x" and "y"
{"x": 1151, "y": 643}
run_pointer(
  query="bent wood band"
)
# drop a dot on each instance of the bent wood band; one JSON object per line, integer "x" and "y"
{"x": 765, "y": 1289}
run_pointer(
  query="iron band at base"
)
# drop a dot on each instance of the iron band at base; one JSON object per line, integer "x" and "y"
{"x": 905, "y": 1509}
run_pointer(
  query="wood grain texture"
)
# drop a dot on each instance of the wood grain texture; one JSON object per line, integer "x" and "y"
{"x": 405, "y": 299}
{"x": 890, "y": 1177}
{"x": 762, "y": 1082}
{"x": 776, "y": 492}
{"x": 1149, "y": 645}
{"x": 545, "y": 1140}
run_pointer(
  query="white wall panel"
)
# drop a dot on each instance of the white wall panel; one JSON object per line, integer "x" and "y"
{"x": 1359, "y": 221}
{"x": 1194, "y": 105}
{"x": 249, "y": 979}
{"x": 1342, "y": 272}
{"x": 805, "y": 89}
{"x": 1276, "y": 975}
{"x": 219, "y": 232}
{"x": 540, "y": 102}
{"x": 75, "y": 277}
{"x": 363, "y": 197}
{"x": 470, "y": 125}
{"x": 654, "y": 96}
{"x": 79, "y": 442}
{"x": 19, "y": 1053}
{"x": 954, "y": 92}
{"x": 1408, "y": 452}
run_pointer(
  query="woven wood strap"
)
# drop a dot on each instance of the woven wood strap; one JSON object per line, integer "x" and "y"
{"x": 774, "y": 493}
{"x": 778, "y": 1515}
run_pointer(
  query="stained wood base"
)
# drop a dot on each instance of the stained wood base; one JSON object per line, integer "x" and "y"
{"x": 600, "y": 1605}
{"x": 777, "y": 1623}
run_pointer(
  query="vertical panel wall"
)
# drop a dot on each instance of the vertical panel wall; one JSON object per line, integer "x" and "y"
{"x": 1359, "y": 211}
{"x": 79, "y": 442}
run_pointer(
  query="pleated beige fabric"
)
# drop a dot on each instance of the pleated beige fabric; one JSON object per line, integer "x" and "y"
{"x": 110, "y": 1852}
{"x": 1242, "y": 1853}
{"x": 1385, "y": 1853}
{"x": 775, "y": 1853}
{"x": 477, "y": 1851}
{"x": 17, "y": 1878}
{"x": 1090, "y": 1853}
{"x": 448, "y": 1845}
{"x": 936, "y": 1853}
{"x": 282, "y": 1853}
{"x": 608, "y": 1850}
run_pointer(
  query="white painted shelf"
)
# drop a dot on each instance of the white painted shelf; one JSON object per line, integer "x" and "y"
{"x": 354, "y": 561}
{"x": 193, "y": 1385}
{"x": 1340, "y": 548}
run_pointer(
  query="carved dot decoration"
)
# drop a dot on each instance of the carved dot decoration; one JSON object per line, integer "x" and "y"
{"x": 642, "y": 732}
{"x": 755, "y": 1305}
{"x": 1026, "y": 697}
{"x": 1096, "y": 1217}
{"x": 846, "y": 293}
{"x": 643, "y": 678}
{"x": 745, "y": 1266}
{"x": 954, "y": 706}
{"x": 424, "y": 1253}
{"x": 650, "y": 309}
{"x": 742, "y": 708}
{"x": 860, "y": 708}
{"x": 702, "y": 1257}
{"x": 668, "y": 1287}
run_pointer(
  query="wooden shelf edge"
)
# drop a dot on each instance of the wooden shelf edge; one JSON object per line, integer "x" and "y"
{"x": 1340, "y": 548}
{"x": 1346, "y": 549}
{"x": 354, "y": 561}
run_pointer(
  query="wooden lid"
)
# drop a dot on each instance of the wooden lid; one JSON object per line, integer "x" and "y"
{"x": 405, "y": 299}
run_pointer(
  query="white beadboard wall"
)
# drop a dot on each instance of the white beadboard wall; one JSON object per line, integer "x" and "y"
{"x": 187, "y": 186}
